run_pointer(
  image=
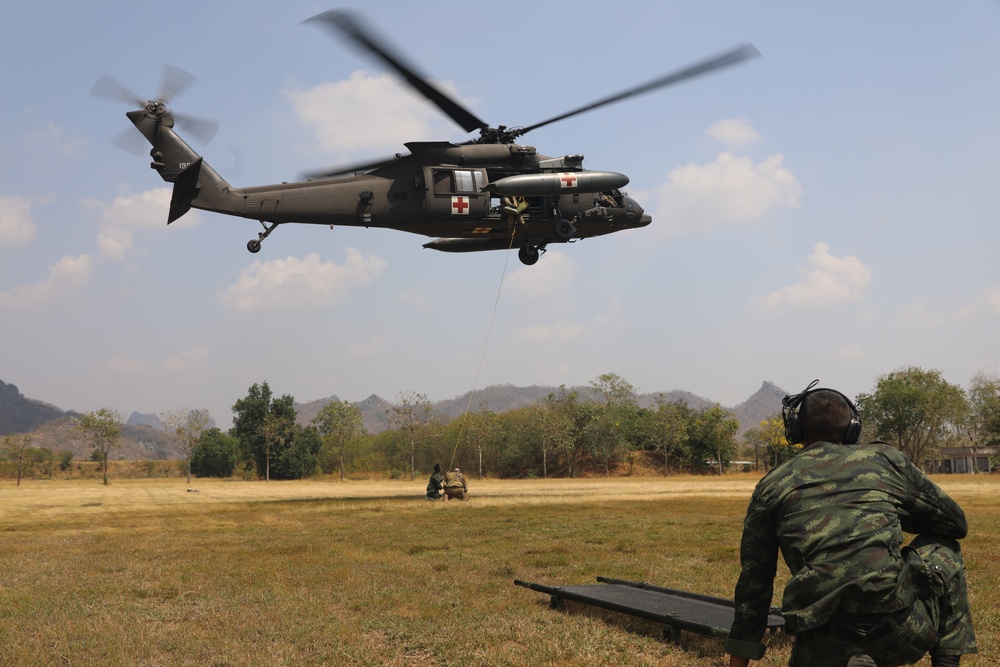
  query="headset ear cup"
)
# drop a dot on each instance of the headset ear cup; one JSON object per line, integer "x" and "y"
{"x": 852, "y": 435}
{"x": 793, "y": 428}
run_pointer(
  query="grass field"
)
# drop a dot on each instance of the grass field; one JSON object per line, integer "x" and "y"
{"x": 225, "y": 573}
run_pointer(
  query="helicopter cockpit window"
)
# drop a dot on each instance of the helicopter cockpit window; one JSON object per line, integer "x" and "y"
{"x": 468, "y": 181}
{"x": 459, "y": 181}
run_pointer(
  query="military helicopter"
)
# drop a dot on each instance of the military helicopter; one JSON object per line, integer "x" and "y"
{"x": 487, "y": 193}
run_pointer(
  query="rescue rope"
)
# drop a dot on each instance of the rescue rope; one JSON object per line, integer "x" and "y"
{"x": 489, "y": 332}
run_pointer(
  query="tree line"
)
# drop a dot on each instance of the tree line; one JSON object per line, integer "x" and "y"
{"x": 564, "y": 435}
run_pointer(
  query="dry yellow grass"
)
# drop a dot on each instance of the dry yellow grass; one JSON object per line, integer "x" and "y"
{"x": 156, "y": 572}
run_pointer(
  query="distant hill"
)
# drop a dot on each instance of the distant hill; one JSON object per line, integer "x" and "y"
{"x": 764, "y": 403}
{"x": 22, "y": 415}
{"x": 53, "y": 429}
{"x": 144, "y": 436}
{"x": 137, "y": 442}
{"x": 150, "y": 420}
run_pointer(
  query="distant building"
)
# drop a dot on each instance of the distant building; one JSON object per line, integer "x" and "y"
{"x": 960, "y": 460}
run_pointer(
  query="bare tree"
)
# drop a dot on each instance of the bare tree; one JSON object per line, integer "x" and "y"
{"x": 410, "y": 416}
{"x": 341, "y": 424}
{"x": 187, "y": 426}
{"x": 16, "y": 447}
{"x": 102, "y": 430}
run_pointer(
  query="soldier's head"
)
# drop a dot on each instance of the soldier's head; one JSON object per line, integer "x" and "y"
{"x": 820, "y": 415}
{"x": 437, "y": 467}
{"x": 825, "y": 416}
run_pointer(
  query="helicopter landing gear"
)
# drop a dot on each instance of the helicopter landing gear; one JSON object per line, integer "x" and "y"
{"x": 253, "y": 245}
{"x": 563, "y": 229}
{"x": 529, "y": 254}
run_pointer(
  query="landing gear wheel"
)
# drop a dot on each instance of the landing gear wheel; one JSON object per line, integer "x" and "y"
{"x": 563, "y": 229}
{"x": 528, "y": 254}
{"x": 253, "y": 245}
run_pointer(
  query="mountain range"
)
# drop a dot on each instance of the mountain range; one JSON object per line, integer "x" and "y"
{"x": 144, "y": 436}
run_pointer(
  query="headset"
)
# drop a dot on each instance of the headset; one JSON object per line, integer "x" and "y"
{"x": 790, "y": 406}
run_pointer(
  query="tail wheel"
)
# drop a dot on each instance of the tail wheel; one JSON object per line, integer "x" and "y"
{"x": 253, "y": 245}
{"x": 563, "y": 229}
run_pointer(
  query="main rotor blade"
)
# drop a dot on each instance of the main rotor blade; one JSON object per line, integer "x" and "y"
{"x": 733, "y": 57}
{"x": 353, "y": 168}
{"x": 347, "y": 25}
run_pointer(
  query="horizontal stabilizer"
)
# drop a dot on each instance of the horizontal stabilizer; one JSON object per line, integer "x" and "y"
{"x": 185, "y": 190}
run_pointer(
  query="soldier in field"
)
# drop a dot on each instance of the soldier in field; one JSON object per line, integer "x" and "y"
{"x": 455, "y": 485}
{"x": 836, "y": 512}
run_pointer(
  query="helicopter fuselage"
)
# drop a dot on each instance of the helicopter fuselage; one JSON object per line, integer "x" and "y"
{"x": 473, "y": 196}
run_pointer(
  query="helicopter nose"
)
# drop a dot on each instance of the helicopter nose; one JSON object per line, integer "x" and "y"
{"x": 633, "y": 205}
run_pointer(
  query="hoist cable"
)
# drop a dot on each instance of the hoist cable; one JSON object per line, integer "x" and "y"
{"x": 482, "y": 358}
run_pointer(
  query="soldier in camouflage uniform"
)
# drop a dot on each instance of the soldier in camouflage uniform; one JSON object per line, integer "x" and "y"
{"x": 837, "y": 512}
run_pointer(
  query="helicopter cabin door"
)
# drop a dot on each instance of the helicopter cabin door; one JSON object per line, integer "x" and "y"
{"x": 456, "y": 192}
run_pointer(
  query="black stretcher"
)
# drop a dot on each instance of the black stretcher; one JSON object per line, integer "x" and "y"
{"x": 676, "y": 610}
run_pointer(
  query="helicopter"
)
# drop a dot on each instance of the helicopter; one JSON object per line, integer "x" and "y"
{"x": 487, "y": 193}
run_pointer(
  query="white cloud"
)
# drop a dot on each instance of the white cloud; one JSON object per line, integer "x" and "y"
{"x": 730, "y": 191}
{"x": 55, "y": 136}
{"x": 551, "y": 276}
{"x": 557, "y": 332}
{"x": 292, "y": 283}
{"x": 146, "y": 209}
{"x": 126, "y": 215}
{"x": 734, "y": 133}
{"x": 828, "y": 280}
{"x": 17, "y": 225}
{"x": 65, "y": 276}
{"x": 368, "y": 111}
{"x": 851, "y": 353}
{"x": 114, "y": 243}
{"x": 187, "y": 360}
{"x": 988, "y": 302}
{"x": 367, "y": 348}
{"x": 128, "y": 366}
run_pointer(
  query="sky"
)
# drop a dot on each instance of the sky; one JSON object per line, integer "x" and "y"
{"x": 827, "y": 211}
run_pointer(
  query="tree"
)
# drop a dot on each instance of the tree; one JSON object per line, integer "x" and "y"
{"x": 915, "y": 410}
{"x": 215, "y": 455}
{"x": 564, "y": 426}
{"x": 554, "y": 427}
{"x": 340, "y": 424}
{"x": 610, "y": 429}
{"x": 484, "y": 430}
{"x": 187, "y": 426}
{"x": 263, "y": 425}
{"x": 299, "y": 455}
{"x": 16, "y": 448}
{"x": 770, "y": 436}
{"x": 102, "y": 430}
{"x": 667, "y": 429}
{"x": 711, "y": 437}
{"x": 982, "y": 425}
{"x": 410, "y": 416}
{"x": 615, "y": 389}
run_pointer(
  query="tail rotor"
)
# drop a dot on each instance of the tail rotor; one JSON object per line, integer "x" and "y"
{"x": 173, "y": 83}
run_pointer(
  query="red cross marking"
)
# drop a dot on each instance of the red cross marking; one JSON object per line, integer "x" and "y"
{"x": 568, "y": 180}
{"x": 459, "y": 205}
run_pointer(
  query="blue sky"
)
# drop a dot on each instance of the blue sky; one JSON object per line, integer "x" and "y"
{"x": 828, "y": 211}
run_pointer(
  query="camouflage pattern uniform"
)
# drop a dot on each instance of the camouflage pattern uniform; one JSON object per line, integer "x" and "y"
{"x": 837, "y": 514}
